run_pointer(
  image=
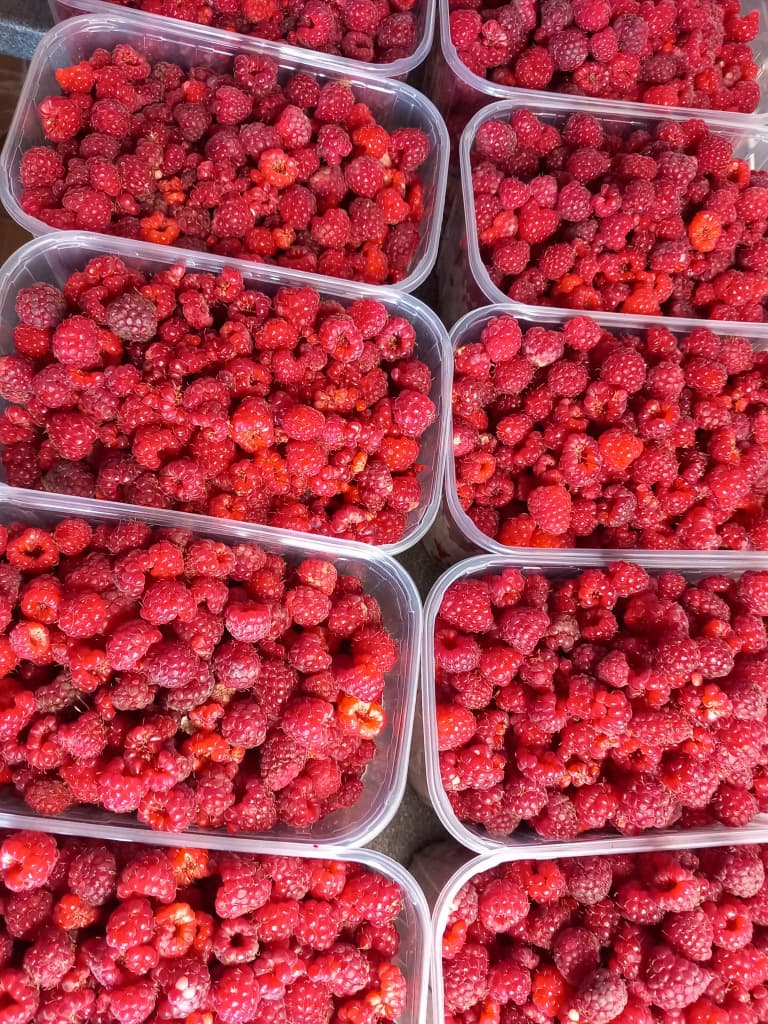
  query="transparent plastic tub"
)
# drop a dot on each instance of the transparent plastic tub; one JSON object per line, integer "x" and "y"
{"x": 53, "y": 257}
{"x": 454, "y": 535}
{"x": 459, "y": 92}
{"x": 400, "y": 68}
{"x": 393, "y": 103}
{"x": 694, "y": 566}
{"x": 413, "y": 924}
{"x": 749, "y": 140}
{"x": 381, "y": 576}
{"x": 439, "y": 862}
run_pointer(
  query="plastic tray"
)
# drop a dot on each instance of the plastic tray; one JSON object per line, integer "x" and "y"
{"x": 454, "y": 535}
{"x": 53, "y": 257}
{"x": 749, "y": 140}
{"x": 384, "y": 780}
{"x": 413, "y": 924}
{"x": 392, "y": 102}
{"x": 459, "y": 93}
{"x": 436, "y": 858}
{"x": 693, "y": 566}
{"x": 400, "y": 68}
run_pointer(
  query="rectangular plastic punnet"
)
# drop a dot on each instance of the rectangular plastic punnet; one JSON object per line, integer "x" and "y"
{"x": 382, "y": 577}
{"x": 53, "y": 257}
{"x": 439, "y": 861}
{"x": 459, "y": 93}
{"x": 394, "y": 104}
{"x": 454, "y": 535}
{"x": 462, "y": 272}
{"x": 400, "y": 68}
{"x": 692, "y": 565}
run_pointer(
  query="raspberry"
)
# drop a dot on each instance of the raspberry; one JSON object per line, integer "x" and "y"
{"x": 132, "y": 318}
{"x": 27, "y": 860}
{"x": 41, "y": 305}
{"x": 465, "y": 978}
{"x": 673, "y": 982}
{"x": 550, "y": 507}
{"x": 76, "y": 343}
{"x": 576, "y": 953}
{"x": 601, "y": 996}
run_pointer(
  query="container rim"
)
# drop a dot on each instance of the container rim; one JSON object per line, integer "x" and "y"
{"x": 92, "y": 244}
{"x": 549, "y": 105}
{"x": 649, "y": 557}
{"x": 297, "y": 545}
{"x": 528, "y": 845}
{"x": 494, "y": 90}
{"x": 391, "y": 69}
{"x": 186, "y": 32}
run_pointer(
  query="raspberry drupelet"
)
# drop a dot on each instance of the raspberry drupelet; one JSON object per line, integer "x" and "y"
{"x": 638, "y": 938}
{"x": 572, "y": 436}
{"x": 184, "y": 680}
{"x": 664, "y": 219}
{"x": 673, "y": 54}
{"x": 606, "y": 699}
{"x": 195, "y": 392}
{"x": 249, "y": 162}
{"x": 187, "y": 935}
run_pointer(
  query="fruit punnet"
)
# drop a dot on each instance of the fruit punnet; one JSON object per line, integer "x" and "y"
{"x": 675, "y": 53}
{"x": 128, "y": 933}
{"x": 575, "y": 437}
{"x": 377, "y": 31}
{"x": 189, "y": 391}
{"x": 648, "y": 938}
{"x": 658, "y": 221}
{"x": 602, "y": 699}
{"x": 185, "y": 680}
{"x": 247, "y": 164}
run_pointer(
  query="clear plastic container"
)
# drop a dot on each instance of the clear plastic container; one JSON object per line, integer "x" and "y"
{"x": 459, "y": 93}
{"x": 53, "y": 257}
{"x": 400, "y": 68}
{"x": 694, "y": 566}
{"x": 381, "y": 576}
{"x": 393, "y": 104}
{"x": 478, "y": 865}
{"x": 413, "y": 924}
{"x": 749, "y": 141}
{"x": 454, "y": 535}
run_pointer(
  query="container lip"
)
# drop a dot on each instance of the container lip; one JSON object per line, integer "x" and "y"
{"x": 300, "y": 545}
{"x": 391, "y": 69}
{"x": 548, "y": 104}
{"x": 649, "y": 557}
{"x": 188, "y": 32}
{"x": 529, "y": 845}
{"x": 91, "y": 244}
{"x": 533, "y": 97}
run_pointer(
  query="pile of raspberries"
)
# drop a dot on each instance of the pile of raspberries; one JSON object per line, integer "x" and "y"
{"x": 185, "y": 680}
{"x": 574, "y": 437}
{"x": 376, "y": 31}
{"x": 649, "y": 938}
{"x": 128, "y": 933}
{"x": 604, "y": 699}
{"x": 253, "y": 164}
{"x": 191, "y": 391}
{"x": 675, "y": 53}
{"x": 664, "y": 220}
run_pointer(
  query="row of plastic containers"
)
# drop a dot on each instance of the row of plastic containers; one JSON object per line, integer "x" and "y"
{"x": 457, "y": 90}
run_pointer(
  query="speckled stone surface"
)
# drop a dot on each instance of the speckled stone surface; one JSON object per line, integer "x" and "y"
{"x": 22, "y": 22}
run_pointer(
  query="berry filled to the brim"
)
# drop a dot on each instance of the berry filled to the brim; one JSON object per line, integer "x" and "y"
{"x": 649, "y": 938}
{"x": 374, "y": 31}
{"x": 673, "y": 53}
{"x": 126, "y": 934}
{"x": 185, "y": 680}
{"x": 605, "y": 699}
{"x": 248, "y": 162}
{"x": 587, "y": 213}
{"x": 575, "y": 436}
{"x": 192, "y": 391}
